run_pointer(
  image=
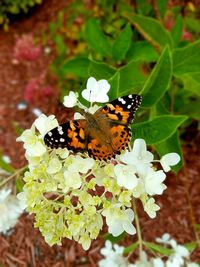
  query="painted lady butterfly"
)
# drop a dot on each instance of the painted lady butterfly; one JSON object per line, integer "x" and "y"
{"x": 102, "y": 134}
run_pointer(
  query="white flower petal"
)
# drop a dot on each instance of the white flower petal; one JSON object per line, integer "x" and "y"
{"x": 168, "y": 160}
{"x": 70, "y": 100}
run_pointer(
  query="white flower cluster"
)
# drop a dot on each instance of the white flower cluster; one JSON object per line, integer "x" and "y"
{"x": 113, "y": 256}
{"x": 71, "y": 193}
{"x": 10, "y": 210}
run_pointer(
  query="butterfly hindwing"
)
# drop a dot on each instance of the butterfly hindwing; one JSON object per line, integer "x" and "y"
{"x": 69, "y": 135}
{"x": 122, "y": 109}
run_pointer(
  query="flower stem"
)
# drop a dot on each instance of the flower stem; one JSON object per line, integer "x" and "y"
{"x": 137, "y": 222}
{"x": 13, "y": 176}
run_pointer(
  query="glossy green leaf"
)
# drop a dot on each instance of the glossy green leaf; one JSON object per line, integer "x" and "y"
{"x": 142, "y": 50}
{"x": 96, "y": 39}
{"x": 158, "y": 129}
{"x": 114, "y": 86}
{"x": 172, "y": 144}
{"x": 100, "y": 70}
{"x": 131, "y": 77}
{"x": 158, "y": 81}
{"x": 152, "y": 30}
{"x": 187, "y": 59}
{"x": 162, "y": 250}
{"x": 122, "y": 43}
{"x": 191, "y": 82}
{"x": 77, "y": 66}
{"x": 162, "y": 7}
{"x": 177, "y": 30}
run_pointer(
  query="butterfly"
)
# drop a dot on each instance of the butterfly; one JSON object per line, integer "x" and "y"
{"x": 103, "y": 134}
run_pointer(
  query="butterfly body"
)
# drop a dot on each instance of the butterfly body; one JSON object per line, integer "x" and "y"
{"x": 102, "y": 134}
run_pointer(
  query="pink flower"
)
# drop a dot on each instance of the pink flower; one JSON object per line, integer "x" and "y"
{"x": 25, "y": 49}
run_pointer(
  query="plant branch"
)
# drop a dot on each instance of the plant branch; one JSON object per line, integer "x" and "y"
{"x": 137, "y": 222}
{"x": 13, "y": 176}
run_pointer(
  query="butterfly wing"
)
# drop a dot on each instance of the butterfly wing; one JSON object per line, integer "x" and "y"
{"x": 122, "y": 109}
{"x": 114, "y": 118}
{"x": 70, "y": 135}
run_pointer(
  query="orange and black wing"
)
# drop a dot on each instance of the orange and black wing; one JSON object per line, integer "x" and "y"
{"x": 122, "y": 109}
{"x": 70, "y": 135}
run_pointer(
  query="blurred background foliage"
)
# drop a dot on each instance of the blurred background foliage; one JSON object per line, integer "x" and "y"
{"x": 143, "y": 47}
{"x": 14, "y": 7}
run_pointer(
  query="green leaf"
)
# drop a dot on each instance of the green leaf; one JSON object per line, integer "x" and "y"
{"x": 162, "y": 7}
{"x": 191, "y": 246}
{"x": 192, "y": 24}
{"x": 143, "y": 7}
{"x": 177, "y": 30}
{"x": 96, "y": 39}
{"x": 77, "y": 66}
{"x": 131, "y": 77}
{"x": 60, "y": 44}
{"x": 152, "y": 30}
{"x": 19, "y": 184}
{"x": 158, "y": 81}
{"x": 122, "y": 43}
{"x": 114, "y": 86}
{"x": 6, "y": 166}
{"x": 191, "y": 82}
{"x": 130, "y": 248}
{"x": 158, "y": 129}
{"x": 114, "y": 239}
{"x": 162, "y": 250}
{"x": 187, "y": 59}
{"x": 100, "y": 70}
{"x": 172, "y": 144}
{"x": 142, "y": 50}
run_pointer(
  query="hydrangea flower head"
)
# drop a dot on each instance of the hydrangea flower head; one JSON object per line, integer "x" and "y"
{"x": 78, "y": 192}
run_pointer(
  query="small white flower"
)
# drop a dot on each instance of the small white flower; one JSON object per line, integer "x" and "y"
{"x": 10, "y": 210}
{"x": 150, "y": 207}
{"x": 85, "y": 241}
{"x": 81, "y": 165}
{"x": 54, "y": 166}
{"x": 153, "y": 182}
{"x": 70, "y": 100}
{"x": 113, "y": 256}
{"x": 138, "y": 157}
{"x": 93, "y": 109}
{"x": 158, "y": 263}
{"x": 168, "y": 160}
{"x": 96, "y": 91}
{"x": 6, "y": 159}
{"x": 164, "y": 239}
{"x": 126, "y": 176}
{"x": 36, "y": 150}
{"x": 78, "y": 116}
{"x": 119, "y": 221}
{"x": 44, "y": 124}
{"x": 62, "y": 152}
{"x": 72, "y": 179}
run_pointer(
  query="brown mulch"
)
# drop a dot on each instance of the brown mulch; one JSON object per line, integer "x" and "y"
{"x": 180, "y": 203}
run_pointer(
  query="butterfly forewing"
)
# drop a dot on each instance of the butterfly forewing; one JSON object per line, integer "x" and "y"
{"x": 71, "y": 135}
{"x": 122, "y": 109}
